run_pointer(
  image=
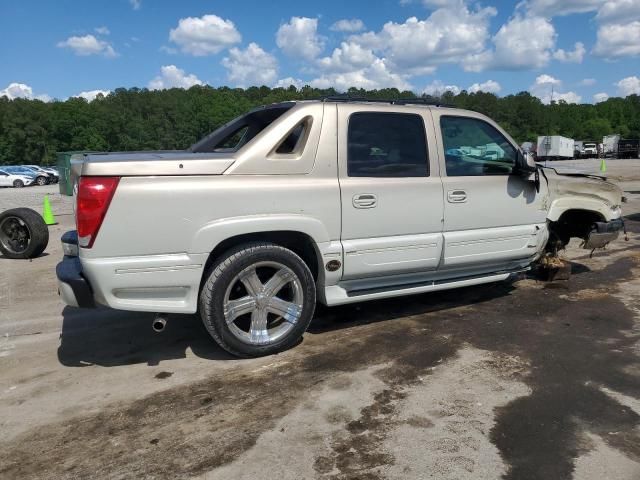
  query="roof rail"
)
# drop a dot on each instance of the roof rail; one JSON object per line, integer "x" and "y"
{"x": 393, "y": 101}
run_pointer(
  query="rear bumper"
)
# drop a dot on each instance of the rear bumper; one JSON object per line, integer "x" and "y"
{"x": 150, "y": 283}
{"x": 73, "y": 287}
{"x": 604, "y": 233}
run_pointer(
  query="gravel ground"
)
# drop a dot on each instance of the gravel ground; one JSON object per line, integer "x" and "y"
{"x": 33, "y": 197}
{"x": 524, "y": 380}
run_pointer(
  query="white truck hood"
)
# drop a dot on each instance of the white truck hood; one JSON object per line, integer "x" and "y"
{"x": 583, "y": 185}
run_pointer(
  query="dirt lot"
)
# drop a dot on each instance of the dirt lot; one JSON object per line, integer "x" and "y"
{"x": 521, "y": 380}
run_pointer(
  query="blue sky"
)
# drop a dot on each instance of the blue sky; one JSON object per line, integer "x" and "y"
{"x": 576, "y": 48}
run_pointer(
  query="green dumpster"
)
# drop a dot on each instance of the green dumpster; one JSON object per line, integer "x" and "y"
{"x": 64, "y": 168}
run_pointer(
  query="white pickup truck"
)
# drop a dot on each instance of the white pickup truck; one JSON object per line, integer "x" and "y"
{"x": 337, "y": 201}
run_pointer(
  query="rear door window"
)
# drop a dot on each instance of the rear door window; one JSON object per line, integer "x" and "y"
{"x": 386, "y": 145}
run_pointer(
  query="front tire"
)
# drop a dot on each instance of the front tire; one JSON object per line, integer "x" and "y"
{"x": 18, "y": 184}
{"x": 258, "y": 299}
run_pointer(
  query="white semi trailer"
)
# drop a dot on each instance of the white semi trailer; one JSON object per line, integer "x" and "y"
{"x": 555, "y": 147}
{"x": 610, "y": 145}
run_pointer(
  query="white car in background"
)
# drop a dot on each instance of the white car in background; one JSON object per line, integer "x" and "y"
{"x": 17, "y": 180}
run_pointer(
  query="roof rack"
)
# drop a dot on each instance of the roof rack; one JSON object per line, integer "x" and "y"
{"x": 393, "y": 101}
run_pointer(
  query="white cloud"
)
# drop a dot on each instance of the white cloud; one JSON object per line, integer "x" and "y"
{"x": 448, "y": 35}
{"x": 17, "y": 90}
{"x": 345, "y": 25}
{"x": 629, "y": 86}
{"x": 375, "y": 76}
{"x": 88, "y": 45}
{"x": 299, "y": 38}
{"x": 434, "y": 4}
{"x": 251, "y": 66}
{"x": 619, "y": 11}
{"x": 587, "y": 82}
{"x": 572, "y": 57}
{"x": 91, "y": 95}
{"x": 102, "y": 30}
{"x": 348, "y": 57}
{"x": 551, "y": 8}
{"x": 490, "y": 86}
{"x": 136, "y": 4}
{"x": 21, "y": 90}
{"x": 205, "y": 35}
{"x": 569, "y": 97}
{"x": 618, "y": 40}
{"x": 288, "y": 81}
{"x": 437, "y": 89}
{"x": 600, "y": 97}
{"x": 545, "y": 79}
{"x": 173, "y": 77}
{"x": 523, "y": 43}
{"x": 547, "y": 88}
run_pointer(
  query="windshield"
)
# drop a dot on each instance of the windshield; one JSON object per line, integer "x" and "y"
{"x": 232, "y": 136}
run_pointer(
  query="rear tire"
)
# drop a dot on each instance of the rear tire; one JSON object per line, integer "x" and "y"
{"x": 18, "y": 184}
{"x": 41, "y": 181}
{"x": 258, "y": 299}
{"x": 23, "y": 233}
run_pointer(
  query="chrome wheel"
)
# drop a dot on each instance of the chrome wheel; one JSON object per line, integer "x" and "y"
{"x": 263, "y": 303}
{"x": 41, "y": 181}
{"x": 15, "y": 235}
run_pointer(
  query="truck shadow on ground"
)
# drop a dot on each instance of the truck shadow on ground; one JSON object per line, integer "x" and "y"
{"x": 111, "y": 338}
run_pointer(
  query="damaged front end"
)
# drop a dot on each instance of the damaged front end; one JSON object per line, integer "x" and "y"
{"x": 583, "y": 206}
{"x": 602, "y": 233}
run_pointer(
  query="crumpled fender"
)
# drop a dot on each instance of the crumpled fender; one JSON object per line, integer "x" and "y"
{"x": 595, "y": 204}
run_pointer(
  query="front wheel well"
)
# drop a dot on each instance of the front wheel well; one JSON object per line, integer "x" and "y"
{"x": 573, "y": 223}
{"x": 299, "y": 243}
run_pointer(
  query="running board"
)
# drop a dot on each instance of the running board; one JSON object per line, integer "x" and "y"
{"x": 337, "y": 295}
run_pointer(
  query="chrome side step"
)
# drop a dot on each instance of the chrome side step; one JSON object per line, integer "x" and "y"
{"x": 337, "y": 295}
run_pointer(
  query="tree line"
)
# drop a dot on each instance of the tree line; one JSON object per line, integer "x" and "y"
{"x": 32, "y": 131}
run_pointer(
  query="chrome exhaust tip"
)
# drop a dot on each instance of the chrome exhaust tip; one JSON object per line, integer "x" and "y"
{"x": 159, "y": 323}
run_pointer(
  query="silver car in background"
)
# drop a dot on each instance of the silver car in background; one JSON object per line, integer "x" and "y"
{"x": 51, "y": 176}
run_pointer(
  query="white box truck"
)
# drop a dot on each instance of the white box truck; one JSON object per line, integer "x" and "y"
{"x": 610, "y": 145}
{"x": 555, "y": 147}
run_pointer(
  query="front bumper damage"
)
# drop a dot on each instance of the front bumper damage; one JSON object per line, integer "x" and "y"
{"x": 603, "y": 233}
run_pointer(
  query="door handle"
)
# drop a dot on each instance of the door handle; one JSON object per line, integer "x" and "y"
{"x": 365, "y": 200}
{"x": 456, "y": 196}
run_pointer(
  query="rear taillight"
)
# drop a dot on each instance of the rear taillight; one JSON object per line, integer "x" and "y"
{"x": 94, "y": 196}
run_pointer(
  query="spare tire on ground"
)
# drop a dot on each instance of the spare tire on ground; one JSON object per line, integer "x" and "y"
{"x": 23, "y": 233}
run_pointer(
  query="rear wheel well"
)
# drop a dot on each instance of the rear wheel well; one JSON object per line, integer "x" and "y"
{"x": 299, "y": 243}
{"x": 572, "y": 223}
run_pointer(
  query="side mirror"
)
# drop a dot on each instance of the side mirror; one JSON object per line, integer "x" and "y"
{"x": 527, "y": 168}
{"x": 526, "y": 165}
